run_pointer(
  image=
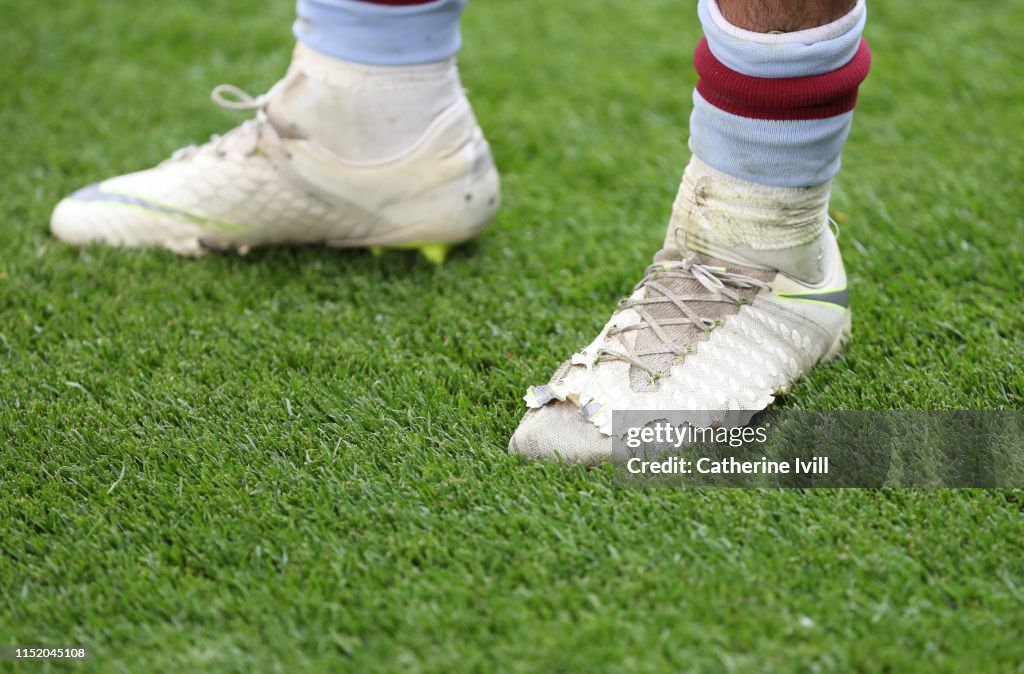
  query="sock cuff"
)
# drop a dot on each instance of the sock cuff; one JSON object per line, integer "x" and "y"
{"x": 784, "y": 98}
{"x": 381, "y": 34}
{"x": 713, "y": 206}
{"x": 798, "y": 54}
{"x": 341, "y": 73}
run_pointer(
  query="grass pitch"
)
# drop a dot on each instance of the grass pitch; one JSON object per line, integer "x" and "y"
{"x": 295, "y": 460}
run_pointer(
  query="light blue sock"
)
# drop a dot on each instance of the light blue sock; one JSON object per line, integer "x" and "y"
{"x": 382, "y": 35}
{"x": 776, "y": 109}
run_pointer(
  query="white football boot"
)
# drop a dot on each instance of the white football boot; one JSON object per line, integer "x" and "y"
{"x": 339, "y": 153}
{"x": 748, "y": 294}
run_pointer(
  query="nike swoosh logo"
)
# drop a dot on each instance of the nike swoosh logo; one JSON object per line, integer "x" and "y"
{"x": 94, "y": 193}
{"x": 839, "y": 297}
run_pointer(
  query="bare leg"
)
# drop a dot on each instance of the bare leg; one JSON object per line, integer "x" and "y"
{"x": 783, "y": 16}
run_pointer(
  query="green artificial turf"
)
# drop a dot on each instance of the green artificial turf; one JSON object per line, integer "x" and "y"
{"x": 295, "y": 460}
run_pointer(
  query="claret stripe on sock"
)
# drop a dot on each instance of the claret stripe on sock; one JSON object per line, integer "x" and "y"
{"x": 783, "y": 98}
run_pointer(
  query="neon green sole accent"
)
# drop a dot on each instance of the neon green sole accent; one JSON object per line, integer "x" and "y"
{"x": 434, "y": 253}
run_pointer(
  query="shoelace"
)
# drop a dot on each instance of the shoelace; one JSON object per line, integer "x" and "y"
{"x": 240, "y": 99}
{"x": 721, "y": 286}
{"x": 230, "y": 97}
